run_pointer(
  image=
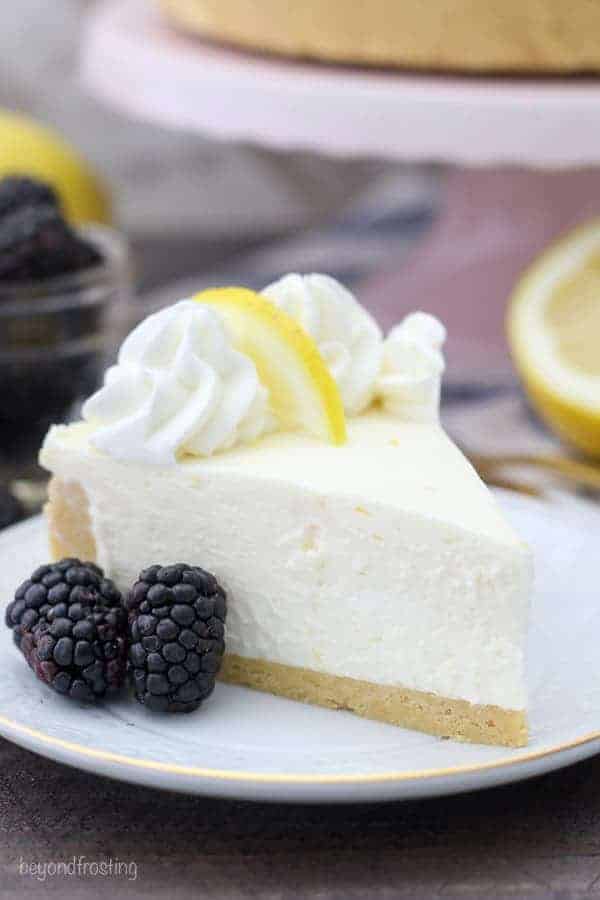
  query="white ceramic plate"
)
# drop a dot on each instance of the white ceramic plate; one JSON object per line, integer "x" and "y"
{"x": 254, "y": 746}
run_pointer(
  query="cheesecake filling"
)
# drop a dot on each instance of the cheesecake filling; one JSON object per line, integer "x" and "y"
{"x": 335, "y": 559}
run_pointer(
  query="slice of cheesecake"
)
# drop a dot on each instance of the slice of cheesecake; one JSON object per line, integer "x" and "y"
{"x": 378, "y": 576}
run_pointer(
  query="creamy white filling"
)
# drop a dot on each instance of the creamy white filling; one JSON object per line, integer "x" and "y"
{"x": 384, "y": 560}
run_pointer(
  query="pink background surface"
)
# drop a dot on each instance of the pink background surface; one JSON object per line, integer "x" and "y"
{"x": 493, "y": 223}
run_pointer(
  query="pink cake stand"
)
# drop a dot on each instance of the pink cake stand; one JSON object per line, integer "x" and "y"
{"x": 519, "y": 150}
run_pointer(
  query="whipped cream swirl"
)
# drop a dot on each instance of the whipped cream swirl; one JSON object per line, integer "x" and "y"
{"x": 413, "y": 364}
{"x": 178, "y": 388}
{"x": 348, "y": 338}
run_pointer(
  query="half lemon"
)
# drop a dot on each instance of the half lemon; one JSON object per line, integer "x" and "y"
{"x": 28, "y": 148}
{"x": 554, "y": 334}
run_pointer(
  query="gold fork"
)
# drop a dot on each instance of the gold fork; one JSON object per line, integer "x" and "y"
{"x": 578, "y": 473}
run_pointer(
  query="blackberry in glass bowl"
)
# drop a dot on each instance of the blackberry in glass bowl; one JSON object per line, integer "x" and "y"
{"x": 61, "y": 291}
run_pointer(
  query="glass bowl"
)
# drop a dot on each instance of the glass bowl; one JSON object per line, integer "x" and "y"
{"x": 55, "y": 337}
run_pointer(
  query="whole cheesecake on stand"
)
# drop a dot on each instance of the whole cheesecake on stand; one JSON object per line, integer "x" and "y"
{"x": 281, "y": 442}
{"x": 521, "y": 36}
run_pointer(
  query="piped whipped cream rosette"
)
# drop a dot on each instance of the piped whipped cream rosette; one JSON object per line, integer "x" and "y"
{"x": 229, "y": 366}
{"x": 404, "y": 371}
{"x": 179, "y": 388}
{"x": 348, "y": 337}
{"x": 413, "y": 364}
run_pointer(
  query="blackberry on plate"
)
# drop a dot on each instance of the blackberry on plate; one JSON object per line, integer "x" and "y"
{"x": 176, "y": 633}
{"x": 17, "y": 191}
{"x": 68, "y": 621}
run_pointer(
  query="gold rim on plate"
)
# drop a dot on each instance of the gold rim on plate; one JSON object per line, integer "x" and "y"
{"x": 263, "y": 778}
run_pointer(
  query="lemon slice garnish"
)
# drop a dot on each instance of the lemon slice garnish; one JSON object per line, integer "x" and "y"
{"x": 554, "y": 334}
{"x": 303, "y": 394}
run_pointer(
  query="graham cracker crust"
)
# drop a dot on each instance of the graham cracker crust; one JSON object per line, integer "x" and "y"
{"x": 71, "y": 534}
{"x": 421, "y": 711}
{"x": 69, "y": 522}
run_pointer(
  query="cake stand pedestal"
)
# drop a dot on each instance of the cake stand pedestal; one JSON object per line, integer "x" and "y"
{"x": 496, "y": 213}
{"x": 135, "y": 61}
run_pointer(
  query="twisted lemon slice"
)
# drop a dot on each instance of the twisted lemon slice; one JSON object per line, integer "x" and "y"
{"x": 303, "y": 393}
{"x": 554, "y": 333}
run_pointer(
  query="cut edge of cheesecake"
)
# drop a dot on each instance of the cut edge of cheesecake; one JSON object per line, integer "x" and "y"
{"x": 71, "y": 535}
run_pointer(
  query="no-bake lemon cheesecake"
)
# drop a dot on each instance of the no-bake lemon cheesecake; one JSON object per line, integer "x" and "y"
{"x": 462, "y": 35}
{"x": 280, "y": 441}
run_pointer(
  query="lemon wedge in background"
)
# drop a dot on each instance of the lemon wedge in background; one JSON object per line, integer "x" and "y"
{"x": 303, "y": 393}
{"x": 554, "y": 335}
{"x": 27, "y": 148}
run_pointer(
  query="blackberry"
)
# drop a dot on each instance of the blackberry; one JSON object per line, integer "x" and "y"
{"x": 176, "y": 633}
{"x": 17, "y": 191}
{"x": 68, "y": 621}
{"x": 36, "y": 242}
